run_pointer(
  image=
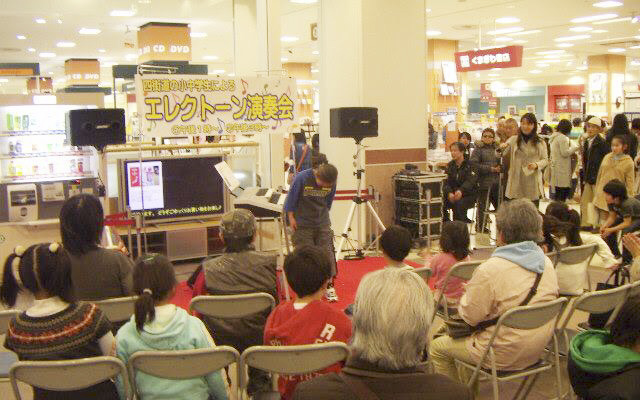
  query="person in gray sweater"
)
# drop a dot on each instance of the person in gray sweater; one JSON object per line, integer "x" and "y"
{"x": 485, "y": 161}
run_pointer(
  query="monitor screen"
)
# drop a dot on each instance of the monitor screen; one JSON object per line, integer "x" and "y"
{"x": 171, "y": 188}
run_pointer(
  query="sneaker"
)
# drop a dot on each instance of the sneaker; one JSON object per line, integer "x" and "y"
{"x": 331, "y": 294}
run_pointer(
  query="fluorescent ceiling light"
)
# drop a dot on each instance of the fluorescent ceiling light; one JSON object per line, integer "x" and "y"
{"x": 535, "y": 71}
{"x": 572, "y": 38}
{"x": 89, "y": 31}
{"x": 542, "y": 53}
{"x": 210, "y": 57}
{"x": 198, "y": 34}
{"x": 612, "y": 20}
{"x": 284, "y": 59}
{"x": 289, "y": 39}
{"x": 102, "y": 51}
{"x": 122, "y": 13}
{"x": 599, "y": 31}
{"x": 41, "y": 21}
{"x": 434, "y": 33}
{"x": 608, "y": 4}
{"x": 304, "y": 1}
{"x": 564, "y": 45}
{"x": 315, "y": 52}
{"x": 21, "y": 37}
{"x": 508, "y": 20}
{"x": 47, "y": 55}
{"x": 503, "y": 39}
{"x": 580, "y": 29}
{"x": 525, "y": 32}
{"x": 617, "y": 50}
{"x": 505, "y": 31}
{"x": 66, "y": 44}
{"x": 31, "y": 50}
{"x": 592, "y": 18}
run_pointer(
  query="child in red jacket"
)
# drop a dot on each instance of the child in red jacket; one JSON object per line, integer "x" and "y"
{"x": 308, "y": 319}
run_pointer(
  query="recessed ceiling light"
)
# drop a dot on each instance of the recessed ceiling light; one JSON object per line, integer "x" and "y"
{"x": 583, "y": 68}
{"x": 89, "y": 31}
{"x": 66, "y": 44}
{"x": 572, "y": 38}
{"x": 599, "y": 31}
{"x": 289, "y": 39}
{"x": 284, "y": 59}
{"x": 59, "y": 20}
{"x": 31, "y": 50}
{"x": 612, "y": 20}
{"x": 41, "y": 21}
{"x": 580, "y": 29}
{"x": 210, "y": 57}
{"x": 608, "y": 4}
{"x": 102, "y": 51}
{"x": 505, "y": 31}
{"x": 535, "y": 71}
{"x": 21, "y": 37}
{"x": 47, "y": 55}
{"x": 592, "y": 18}
{"x": 304, "y": 1}
{"x": 542, "y": 53}
{"x": 564, "y": 45}
{"x": 122, "y": 13}
{"x": 617, "y": 50}
{"x": 503, "y": 39}
{"x": 428, "y": 10}
{"x": 525, "y": 32}
{"x": 315, "y": 52}
{"x": 434, "y": 33}
{"x": 198, "y": 34}
{"x": 217, "y": 72}
{"x": 508, "y": 20}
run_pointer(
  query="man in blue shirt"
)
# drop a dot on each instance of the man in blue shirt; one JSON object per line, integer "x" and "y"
{"x": 307, "y": 209}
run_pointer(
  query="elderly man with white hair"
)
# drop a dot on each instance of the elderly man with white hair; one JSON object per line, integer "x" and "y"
{"x": 392, "y": 314}
{"x": 502, "y": 282}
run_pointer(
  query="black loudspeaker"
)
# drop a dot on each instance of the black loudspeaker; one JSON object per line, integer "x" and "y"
{"x": 96, "y": 127}
{"x": 354, "y": 122}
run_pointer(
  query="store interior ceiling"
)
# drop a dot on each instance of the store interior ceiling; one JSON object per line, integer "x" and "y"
{"x": 556, "y": 45}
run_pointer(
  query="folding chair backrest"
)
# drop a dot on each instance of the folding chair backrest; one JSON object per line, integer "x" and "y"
{"x": 533, "y": 316}
{"x": 68, "y": 374}
{"x": 232, "y": 306}
{"x": 634, "y": 290}
{"x": 5, "y": 317}
{"x": 182, "y": 364}
{"x": 424, "y": 272}
{"x": 464, "y": 270}
{"x": 553, "y": 256}
{"x": 601, "y": 301}
{"x": 577, "y": 254}
{"x": 118, "y": 309}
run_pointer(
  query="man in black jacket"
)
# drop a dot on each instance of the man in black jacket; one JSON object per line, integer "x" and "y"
{"x": 594, "y": 148}
{"x": 460, "y": 187}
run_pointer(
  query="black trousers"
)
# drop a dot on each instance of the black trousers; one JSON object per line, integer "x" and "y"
{"x": 492, "y": 191}
{"x": 561, "y": 193}
{"x": 612, "y": 240}
{"x": 459, "y": 207}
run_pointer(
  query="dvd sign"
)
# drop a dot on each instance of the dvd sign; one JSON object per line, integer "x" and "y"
{"x": 476, "y": 60}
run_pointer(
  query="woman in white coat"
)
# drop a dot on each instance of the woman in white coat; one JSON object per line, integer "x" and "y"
{"x": 560, "y": 163}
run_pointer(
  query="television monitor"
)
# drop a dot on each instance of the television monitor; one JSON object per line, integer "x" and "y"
{"x": 170, "y": 188}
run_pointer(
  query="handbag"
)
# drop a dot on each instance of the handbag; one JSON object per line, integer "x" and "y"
{"x": 620, "y": 277}
{"x": 458, "y": 328}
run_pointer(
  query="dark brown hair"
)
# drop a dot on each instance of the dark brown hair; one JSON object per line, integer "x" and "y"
{"x": 454, "y": 239}
{"x": 153, "y": 280}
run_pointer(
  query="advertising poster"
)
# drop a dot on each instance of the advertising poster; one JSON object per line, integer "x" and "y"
{"x": 145, "y": 185}
{"x": 202, "y": 105}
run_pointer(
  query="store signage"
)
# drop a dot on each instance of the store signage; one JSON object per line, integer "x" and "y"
{"x": 19, "y": 69}
{"x": 40, "y": 85}
{"x": 159, "y": 41}
{"x": 82, "y": 71}
{"x": 485, "y": 92}
{"x": 201, "y": 105}
{"x": 476, "y": 60}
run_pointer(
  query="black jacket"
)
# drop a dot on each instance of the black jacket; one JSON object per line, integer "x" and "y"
{"x": 620, "y": 385}
{"x": 483, "y": 159}
{"x": 632, "y": 140}
{"x": 592, "y": 158}
{"x": 463, "y": 178}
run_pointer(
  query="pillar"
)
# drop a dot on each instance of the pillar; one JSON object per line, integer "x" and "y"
{"x": 302, "y": 73}
{"x": 256, "y": 37}
{"x": 373, "y": 54}
{"x": 606, "y": 74}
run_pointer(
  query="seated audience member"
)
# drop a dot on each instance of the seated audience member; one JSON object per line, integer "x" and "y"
{"x": 240, "y": 270}
{"x": 97, "y": 273}
{"x": 561, "y": 228}
{"x": 391, "y": 319}
{"x": 460, "y": 187}
{"x": 308, "y": 319}
{"x": 55, "y": 327}
{"x": 395, "y": 243}
{"x": 159, "y": 325}
{"x": 632, "y": 243}
{"x": 502, "y": 282}
{"x": 624, "y": 216}
{"x": 485, "y": 161}
{"x": 606, "y": 364}
{"x": 454, "y": 243}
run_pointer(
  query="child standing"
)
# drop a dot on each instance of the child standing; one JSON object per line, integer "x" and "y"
{"x": 307, "y": 319}
{"x": 395, "y": 243}
{"x": 454, "y": 243}
{"x": 307, "y": 207}
{"x": 615, "y": 165}
{"x": 159, "y": 325}
{"x": 55, "y": 327}
{"x": 623, "y": 215}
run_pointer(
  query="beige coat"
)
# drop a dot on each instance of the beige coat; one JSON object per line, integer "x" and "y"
{"x": 519, "y": 184}
{"x": 560, "y": 160}
{"x": 497, "y": 286}
{"x": 621, "y": 169}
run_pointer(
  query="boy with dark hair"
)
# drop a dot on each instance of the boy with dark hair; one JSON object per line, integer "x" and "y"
{"x": 395, "y": 242}
{"x": 307, "y": 208}
{"x": 307, "y": 319}
{"x": 624, "y": 215}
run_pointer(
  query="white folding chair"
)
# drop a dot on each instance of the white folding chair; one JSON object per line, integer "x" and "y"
{"x": 181, "y": 364}
{"x": 527, "y": 318}
{"x": 290, "y": 360}
{"x": 119, "y": 309}
{"x": 634, "y": 289}
{"x": 68, "y": 375}
{"x": 7, "y": 358}
{"x": 578, "y": 255}
{"x": 462, "y": 270}
{"x": 423, "y": 272}
{"x": 233, "y": 305}
{"x": 553, "y": 256}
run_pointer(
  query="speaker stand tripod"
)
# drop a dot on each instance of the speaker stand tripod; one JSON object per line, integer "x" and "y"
{"x": 357, "y": 202}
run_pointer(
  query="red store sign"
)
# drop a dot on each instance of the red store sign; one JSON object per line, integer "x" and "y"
{"x": 503, "y": 57}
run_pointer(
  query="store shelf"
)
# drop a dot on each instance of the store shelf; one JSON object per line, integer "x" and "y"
{"x": 46, "y": 154}
{"x": 32, "y": 133}
{"x": 44, "y": 178}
